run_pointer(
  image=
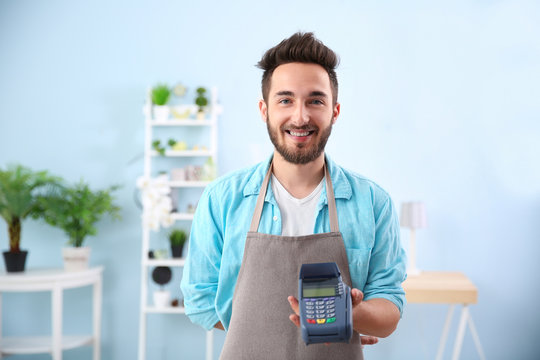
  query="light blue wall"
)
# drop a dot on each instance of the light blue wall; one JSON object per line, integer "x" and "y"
{"x": 440, "y": 103}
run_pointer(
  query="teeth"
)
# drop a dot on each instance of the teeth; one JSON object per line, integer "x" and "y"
{"x": 294, "y": 133}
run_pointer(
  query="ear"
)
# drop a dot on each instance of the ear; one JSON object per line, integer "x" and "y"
{"x": 263, "y": 109}
{"x": 335, "y": 113}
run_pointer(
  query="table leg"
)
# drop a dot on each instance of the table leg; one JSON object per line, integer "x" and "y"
{"x": 461, "y": 332}
{"x": 444, "y": 335}
{"x": 96, "y": 321}
{"x": 476, "y": 339}
{"x": 57, "y": 323}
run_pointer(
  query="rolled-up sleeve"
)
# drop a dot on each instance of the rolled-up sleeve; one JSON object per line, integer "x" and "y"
{"x": 387, "y": 262}
{"x": 201, "y": 272}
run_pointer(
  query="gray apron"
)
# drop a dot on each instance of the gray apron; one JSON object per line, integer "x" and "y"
{"x": 260, "y": 327}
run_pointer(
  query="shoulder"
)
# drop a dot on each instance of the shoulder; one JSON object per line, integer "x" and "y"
{"x": 238, "y": 183}
{"x": 357, "y": 185}
{"x": 364, "y": 184}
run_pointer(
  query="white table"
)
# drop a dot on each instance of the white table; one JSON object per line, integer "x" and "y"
{"x": 55, "y": 281}
{"x": 452, "y": 288}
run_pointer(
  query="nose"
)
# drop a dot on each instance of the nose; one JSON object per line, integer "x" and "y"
{"x": 301, "y": 115}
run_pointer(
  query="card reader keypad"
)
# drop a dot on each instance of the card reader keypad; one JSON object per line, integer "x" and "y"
{"x": 322, "y": 310}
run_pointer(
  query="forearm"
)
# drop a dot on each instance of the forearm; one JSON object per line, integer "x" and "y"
{"x": 376, "y": 317}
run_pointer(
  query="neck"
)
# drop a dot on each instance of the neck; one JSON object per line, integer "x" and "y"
{"x": 299, "y": 179}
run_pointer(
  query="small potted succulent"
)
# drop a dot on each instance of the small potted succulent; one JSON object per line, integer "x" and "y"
{"x": 160, "y": 97}
{"x": 76, "y": 210}
{"x": 201, "y": 102}
{"x": 177, "y": 239}
{"x": 21, "y": 192}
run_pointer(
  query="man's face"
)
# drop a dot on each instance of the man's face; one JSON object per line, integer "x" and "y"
{"x": 299, "y": 112}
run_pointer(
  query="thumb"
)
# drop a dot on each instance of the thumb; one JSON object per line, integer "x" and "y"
{"x": 357, "y": 297}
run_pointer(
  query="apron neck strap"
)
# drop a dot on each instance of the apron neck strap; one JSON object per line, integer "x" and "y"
{"x": 332, "y": 210}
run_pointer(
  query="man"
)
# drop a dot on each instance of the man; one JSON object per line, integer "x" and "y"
{"x": 254, "y": 228}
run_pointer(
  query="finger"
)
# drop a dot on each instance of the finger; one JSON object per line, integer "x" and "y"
{"x": 294, "y": 304}
{"x": 368, "y": 340}
{"x": 295, "y": 319}
{"x": 357, "y": 297}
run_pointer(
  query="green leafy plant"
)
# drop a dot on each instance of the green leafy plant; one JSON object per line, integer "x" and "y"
{"x": 177, "y": 237}
{"x": 201, "y": 99}
{"x": 21, "y": 192}
{"x": 160, "y": 94}
{"x": 156, "y": 145}
{"x": 76, "y": 210}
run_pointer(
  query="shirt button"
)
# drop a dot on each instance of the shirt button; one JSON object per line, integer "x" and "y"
{"x": 275, "y": 218}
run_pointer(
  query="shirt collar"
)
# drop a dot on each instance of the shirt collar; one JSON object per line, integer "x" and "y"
{"x": 342, "y": 186}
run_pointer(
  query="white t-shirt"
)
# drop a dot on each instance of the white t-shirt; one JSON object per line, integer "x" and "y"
{"x": 297, "y": 215}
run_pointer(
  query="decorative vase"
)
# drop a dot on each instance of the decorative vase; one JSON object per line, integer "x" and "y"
{"x": 76, "y": 258}
{"x": 176, "y": 251}
{"x": 162, "y": 298}
{"x": 15, "y": 262}
{"x": 161, "y": 112}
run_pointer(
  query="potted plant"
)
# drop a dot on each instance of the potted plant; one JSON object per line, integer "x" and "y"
{"x": 160, "y": 96}
{"x": 21, "y": 191}
{"x": 161, "y": 276}
{"x": 76, "y": 210}
{"x": 201, "y": 102}
{"x": 156, "y": 145}
{"x": 177, "y": 239}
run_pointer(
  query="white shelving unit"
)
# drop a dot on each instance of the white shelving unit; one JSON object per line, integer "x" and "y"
{"x": 210, "y": 122}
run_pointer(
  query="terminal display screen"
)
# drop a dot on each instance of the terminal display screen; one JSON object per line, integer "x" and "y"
{"x": 319, "y": 289}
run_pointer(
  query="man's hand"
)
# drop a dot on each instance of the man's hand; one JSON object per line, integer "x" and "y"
{"x": 356, "y": 296}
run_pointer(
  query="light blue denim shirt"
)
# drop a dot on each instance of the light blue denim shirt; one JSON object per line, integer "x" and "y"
{"x": 367, "y": 221}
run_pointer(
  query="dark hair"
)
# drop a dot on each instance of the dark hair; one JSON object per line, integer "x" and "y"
{"x": 303, "y": 48}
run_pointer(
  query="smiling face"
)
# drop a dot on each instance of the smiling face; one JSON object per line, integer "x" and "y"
{"x": 300, "y": 111}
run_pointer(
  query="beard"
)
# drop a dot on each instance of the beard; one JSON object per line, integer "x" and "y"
{"x": 301, "y": 153}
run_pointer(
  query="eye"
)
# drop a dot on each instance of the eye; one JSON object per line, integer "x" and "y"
{"x": 317, "y": 102}
{"x": 285, "y": 101}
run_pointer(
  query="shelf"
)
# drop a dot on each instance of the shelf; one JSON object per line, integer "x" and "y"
{"x": 182, "y": 216}
{"x": 185, "y": 153}
{"x": 181, "y": 122}
{"x": 40, "y": 344}
{"x": 165, "y": 262}
{"x": 176, "y": 184}
{"x": 166, "y": 310}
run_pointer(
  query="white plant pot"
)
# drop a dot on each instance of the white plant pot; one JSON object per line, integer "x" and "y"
{"x": 162, "y": 299}
{"x": 76, "y": 258}
{"x": 161, "y": 112}
{"x": 201, "y": 115}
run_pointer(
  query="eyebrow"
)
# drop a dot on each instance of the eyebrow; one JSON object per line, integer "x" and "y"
{"x": 311, "y": 94}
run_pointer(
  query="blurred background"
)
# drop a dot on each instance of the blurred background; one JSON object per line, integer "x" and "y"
{"x": 440, "y": 104}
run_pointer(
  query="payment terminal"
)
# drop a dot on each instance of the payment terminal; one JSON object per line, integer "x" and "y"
{"x": 325, "y": 304}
